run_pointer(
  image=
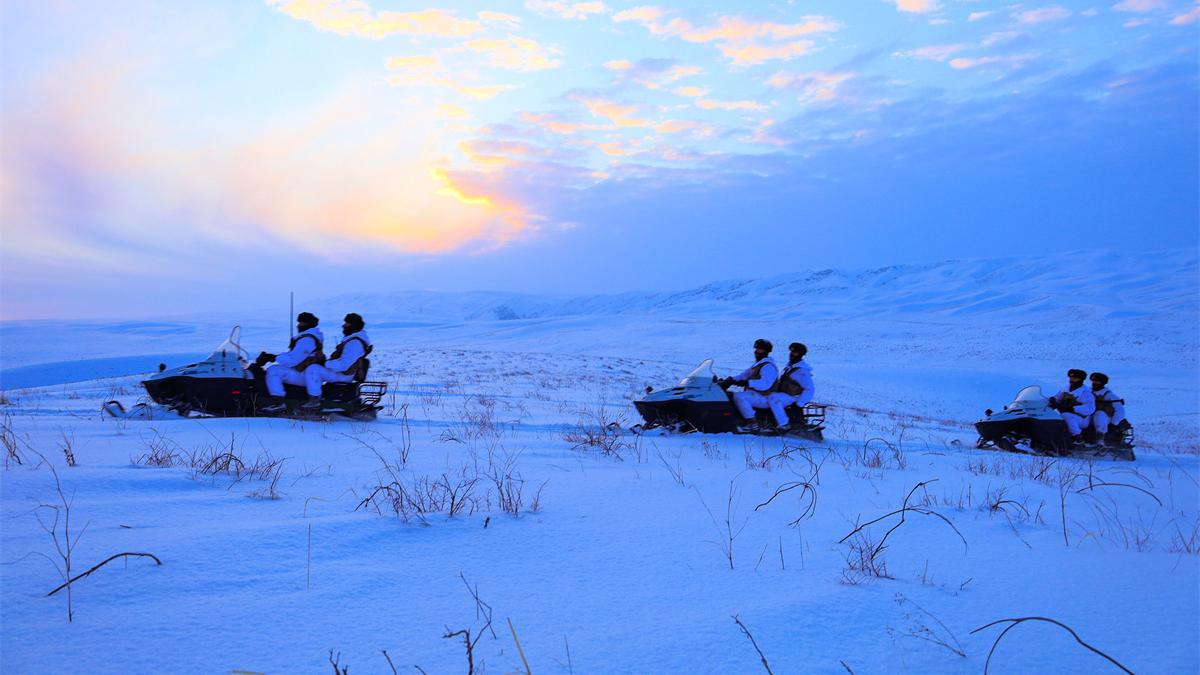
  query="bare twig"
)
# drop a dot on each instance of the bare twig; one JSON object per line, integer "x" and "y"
{"x": 762, "y": 657}
{"x": 110, "y": 559}
{"x": 1013, "y": 623}
{"x": 519, "y": 650}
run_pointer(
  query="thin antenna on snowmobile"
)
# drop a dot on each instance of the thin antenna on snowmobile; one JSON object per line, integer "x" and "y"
{"x": 291, "y": 312}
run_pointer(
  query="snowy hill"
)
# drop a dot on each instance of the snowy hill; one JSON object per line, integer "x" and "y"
{"x": 621, "y": 553}
{"x": 1090, "y": 285}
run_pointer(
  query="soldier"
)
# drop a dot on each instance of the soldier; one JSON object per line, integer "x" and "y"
{"x": 343, "y": 363}
{"x": 305, "y": 349}
{"x": 1075, "y": 404}
{"x": 1110, "y": 409}
{"x": 795, "y": 385}
{"x": 756, "y": 382}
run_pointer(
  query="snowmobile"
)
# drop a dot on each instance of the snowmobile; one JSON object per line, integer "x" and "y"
{"x": 700, "y": 403}
{"x": 227, "y": 384}
{"x": 1029, "y": 425}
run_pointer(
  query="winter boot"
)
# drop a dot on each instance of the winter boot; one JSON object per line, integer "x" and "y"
{"x": 272, "y": 405}
{"x": 313, "y": 404}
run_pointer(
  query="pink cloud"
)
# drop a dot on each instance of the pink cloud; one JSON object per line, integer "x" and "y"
{"x": 356, "y": 18}
{"x": 933, "y": 52}
{"x": 1042, "y": 15}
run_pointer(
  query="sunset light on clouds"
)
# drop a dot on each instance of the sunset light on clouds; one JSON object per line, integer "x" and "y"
{"x": 483, "y": 144}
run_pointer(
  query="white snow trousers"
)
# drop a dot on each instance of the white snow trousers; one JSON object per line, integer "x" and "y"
{"x": 1101, "y": 419}
{"x": 746, "y": 401}
{"x": 779, "y": 401}
{"x": 316, "y": 375}
{"x": 277, "y": 376}
{"x": 1075, "y": 423}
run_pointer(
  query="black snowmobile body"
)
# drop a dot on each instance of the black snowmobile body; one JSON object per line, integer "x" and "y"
{"x": 226, "y": 385}
{"x": 1029, "y": 425}
{"x": 699, "y": 403}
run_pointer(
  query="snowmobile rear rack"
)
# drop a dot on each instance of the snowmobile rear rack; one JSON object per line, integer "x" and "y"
{"x": 371, "y": 393}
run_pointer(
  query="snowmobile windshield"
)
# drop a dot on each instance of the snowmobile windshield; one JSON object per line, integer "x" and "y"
{"x": 704, "y": 370}
{"x": 231, "y": 348}
{"x": 1030, "y": 394}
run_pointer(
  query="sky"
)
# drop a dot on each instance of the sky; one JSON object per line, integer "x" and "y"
{"x": 164, "y": 158}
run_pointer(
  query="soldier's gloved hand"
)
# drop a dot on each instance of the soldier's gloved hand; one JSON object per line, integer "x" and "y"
{"x": 742, "y": 383}
{"x": 264, "y": 358}
{"x": 725, "y": 382}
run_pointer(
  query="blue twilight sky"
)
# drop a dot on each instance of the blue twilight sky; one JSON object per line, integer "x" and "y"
{"x": 166, "y": 157}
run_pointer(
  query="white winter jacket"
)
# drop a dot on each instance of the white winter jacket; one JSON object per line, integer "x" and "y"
{"x": 303, "y": 346}
{"x": 354, "y": 347}
{"x": 1083, "y": 394}
{"x": 799, "y": 373}
{"x": 766, "y": 372}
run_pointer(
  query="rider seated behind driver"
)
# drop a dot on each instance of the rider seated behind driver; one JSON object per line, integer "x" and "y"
{"x": 343, "y": 363}
{"x": 756, "y": 382}
{"x": 1110, "y": 408}
{"x": 795, "y": 386}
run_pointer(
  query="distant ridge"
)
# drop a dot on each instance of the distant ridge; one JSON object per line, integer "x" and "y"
{"x": 1088, "y": 285}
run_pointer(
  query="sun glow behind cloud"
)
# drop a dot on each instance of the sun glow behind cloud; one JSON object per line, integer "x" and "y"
{"x": 352, "y": 130}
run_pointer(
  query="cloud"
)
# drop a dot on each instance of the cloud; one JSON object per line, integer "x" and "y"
{"x": 812, "y": 86}
{"x": 1042, "y": 15}
{"x": 712, "y": 104}
{"x": 690, "y": 91}
{"x": 334, "y": 178}
{"x": 932, "y": 52}
{"x": 653, "y": 73}
{"x": 1139, "y": 6}
{"x": 915, "y": 6}
{"x": 976, "y": 16}
{"x": 751, "y": 54}
{"x": 554, "y": 124}
{"x": 736, "y": 29}
{"x": 620, "y": 114}
{"x": 566, "y": 10}
{"x": 1189, "y": 17}
{"x": 355, "y": 18}
{"x": 645, "y": 15}
{"x": 429, "y": 71}
{"x": 510, "y": 21}
{"x": 515, "y": 53}
{"x": 1000, "y": 37}
{"x": 743, "y": 41}
{"x": 968, "y": 63}
{"x": 1134, "y": 23}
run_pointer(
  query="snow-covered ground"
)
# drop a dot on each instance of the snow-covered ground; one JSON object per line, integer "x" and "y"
{"x": 631, "y": 554}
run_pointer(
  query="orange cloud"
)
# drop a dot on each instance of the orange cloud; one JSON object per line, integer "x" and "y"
{"x": 915, "y": 6}
{"x": 620, "y": 114}
{"x": 356, "y": 18}
{"x": 515, "y": 53}
{"x": 754, "y": 54}
{"x": 553, "y": 125}
{"x": 742, "y": 41}
{"x": 566, "y": 10}
{"x": 710, "y": 104}
{"x": 338, "y": 178}
{"x": 737, "y": 29}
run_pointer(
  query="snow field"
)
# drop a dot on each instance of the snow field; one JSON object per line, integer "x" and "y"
{"x": 626, "y": 562}
{"x": 625, "y": 565}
